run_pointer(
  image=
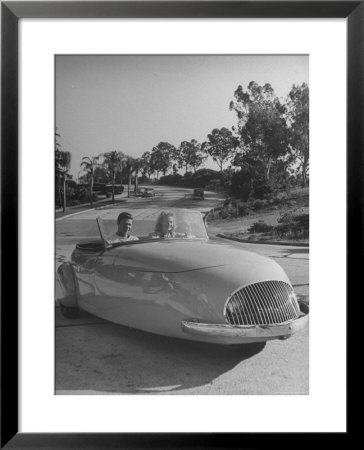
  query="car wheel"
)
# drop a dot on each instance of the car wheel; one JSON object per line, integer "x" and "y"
{"x": 70, "y": 312}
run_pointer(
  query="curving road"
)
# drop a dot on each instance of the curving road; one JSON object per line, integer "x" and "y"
{"x": 98, "y": 357}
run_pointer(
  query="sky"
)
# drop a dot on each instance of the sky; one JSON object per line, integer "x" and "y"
{"x": 131, "y": 103}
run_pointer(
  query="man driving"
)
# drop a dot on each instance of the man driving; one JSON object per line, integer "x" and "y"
{"x": 124, "y": 223}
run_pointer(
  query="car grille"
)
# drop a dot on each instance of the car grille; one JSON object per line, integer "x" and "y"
{"x": 264, "y": 303}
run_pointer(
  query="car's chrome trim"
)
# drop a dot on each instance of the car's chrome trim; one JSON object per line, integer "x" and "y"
{"x": 251, "y": 331}
{"x": 263, "y": 303}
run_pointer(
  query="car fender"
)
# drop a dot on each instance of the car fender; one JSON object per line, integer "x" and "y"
{"x": 66, "y": 280}
{"x": 209, "y": 289}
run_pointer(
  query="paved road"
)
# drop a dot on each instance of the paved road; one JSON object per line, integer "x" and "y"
{"x": 93, "y": 356}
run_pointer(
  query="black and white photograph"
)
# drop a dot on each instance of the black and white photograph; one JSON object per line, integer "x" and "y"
{"x": 182, "y": 224}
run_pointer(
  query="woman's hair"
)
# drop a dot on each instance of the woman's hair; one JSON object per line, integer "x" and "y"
{"x": 162, "y": 215}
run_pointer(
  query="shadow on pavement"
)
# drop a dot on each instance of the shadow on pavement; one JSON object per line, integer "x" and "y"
{"x": 108, "y": 358}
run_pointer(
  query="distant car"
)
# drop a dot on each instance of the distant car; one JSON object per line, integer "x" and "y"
{"x": 187, "y": 286}
{"x": 147, "y": 192}
{"x": 118, "y": 188}
{"x": 198, "y": 194}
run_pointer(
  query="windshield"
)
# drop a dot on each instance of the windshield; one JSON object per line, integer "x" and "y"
{"x": 140, "y": 225}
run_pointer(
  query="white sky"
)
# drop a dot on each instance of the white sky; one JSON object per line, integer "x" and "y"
{"x": 131, "y": 103}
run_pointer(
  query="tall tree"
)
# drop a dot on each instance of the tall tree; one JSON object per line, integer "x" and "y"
{"x": 162, "y": 157}
{"x": 189, "y": 154}
{"x": 129, "y": 167}
{"x": 62, "y": 166}
{"x": 298, "y": 116}
{"x": 145, "y": 164}
{"x": 101, "y": 175}
{"x": 89, "y": 164}
{"x": 137, "y": 168}
{"x": 114, "y": 163}
{"x": 262, "y": 123}
{"x": 221, "y": 146}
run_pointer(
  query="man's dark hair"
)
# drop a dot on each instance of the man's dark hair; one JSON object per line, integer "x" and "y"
{"x": 124, "y": 215}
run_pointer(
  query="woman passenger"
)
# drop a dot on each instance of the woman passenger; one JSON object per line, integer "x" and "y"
{"x": 166, "y": 226}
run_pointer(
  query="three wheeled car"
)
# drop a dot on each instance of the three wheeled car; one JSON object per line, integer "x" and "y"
{"x": 181, "y": 284}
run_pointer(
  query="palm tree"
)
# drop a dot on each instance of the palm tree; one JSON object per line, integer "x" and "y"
{"x": 88, "y": 165}
{"x": 129, "y": 167}
{"x": 114, "y": 162}
{"x": 137, "y": 167}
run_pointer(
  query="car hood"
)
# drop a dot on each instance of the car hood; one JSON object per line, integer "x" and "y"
{"x": 176, "y": 256}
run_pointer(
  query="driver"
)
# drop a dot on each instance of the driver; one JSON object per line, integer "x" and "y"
{"x": 124, "y": 223}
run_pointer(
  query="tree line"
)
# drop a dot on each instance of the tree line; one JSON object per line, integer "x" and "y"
{"x": 269, "y": 145}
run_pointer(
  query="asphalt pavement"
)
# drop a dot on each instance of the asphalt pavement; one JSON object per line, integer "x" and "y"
{"x": 98, "y": 357}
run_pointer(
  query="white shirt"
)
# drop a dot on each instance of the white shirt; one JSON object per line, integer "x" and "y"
{"x": 117, "y": 238}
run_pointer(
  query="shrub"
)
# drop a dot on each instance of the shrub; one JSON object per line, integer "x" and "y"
{"x": 172, "y": 180}
{"x": 259, "y": 204}
{"x": 260, "y": 227}
{"x": 262, "y": 188}
{"x": 213, "y": 185}
{"x": 243, "y": 210}
{"x": 203, "y": 177}
{"x": 303, "y": 220}
{"x": 199, "y": 179}
{"x": 289, "y": 233}
{"x": 289, "y": 216}
{"x": 241, "y": 186}
{"x": 293, "y": 225}
{"x": 282, "y": 229}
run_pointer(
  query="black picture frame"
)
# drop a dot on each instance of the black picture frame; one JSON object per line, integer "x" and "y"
{"x": 11, "y": 12}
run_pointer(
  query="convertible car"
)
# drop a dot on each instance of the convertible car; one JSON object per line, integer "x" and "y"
{"x": 181, "y": 284}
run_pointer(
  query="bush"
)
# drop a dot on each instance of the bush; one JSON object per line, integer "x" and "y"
{"x": 243, "y": 210}
{"x": 293, "y": 225}
{"x": 214, "y": 185}
{"x": 291, "y": 233}
{"x": 259, "y": 204}
{"x": 172, "y": 180}
{"x": 303, "y": 220}
{"x": 262, "y": 188}
{"x": 250, "y": 181}
{"x": 241, "y": 186}
{"x": 203, "y": 177}
{"x": 199, "y": 179}
{"x": 260, "y": 227}
{"x": 290, "y": 216}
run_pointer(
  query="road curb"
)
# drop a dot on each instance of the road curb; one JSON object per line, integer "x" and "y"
{"x": 247, "y": 241}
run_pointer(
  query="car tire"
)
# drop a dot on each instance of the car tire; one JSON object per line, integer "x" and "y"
{"x": 70, "y": 312}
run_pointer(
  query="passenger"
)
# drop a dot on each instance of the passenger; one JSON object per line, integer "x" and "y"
{"x": 124, "y": 223}
{"x": 165, "y": 226}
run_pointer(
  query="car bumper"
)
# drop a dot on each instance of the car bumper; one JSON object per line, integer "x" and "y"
{"x": 249, "y": 333}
